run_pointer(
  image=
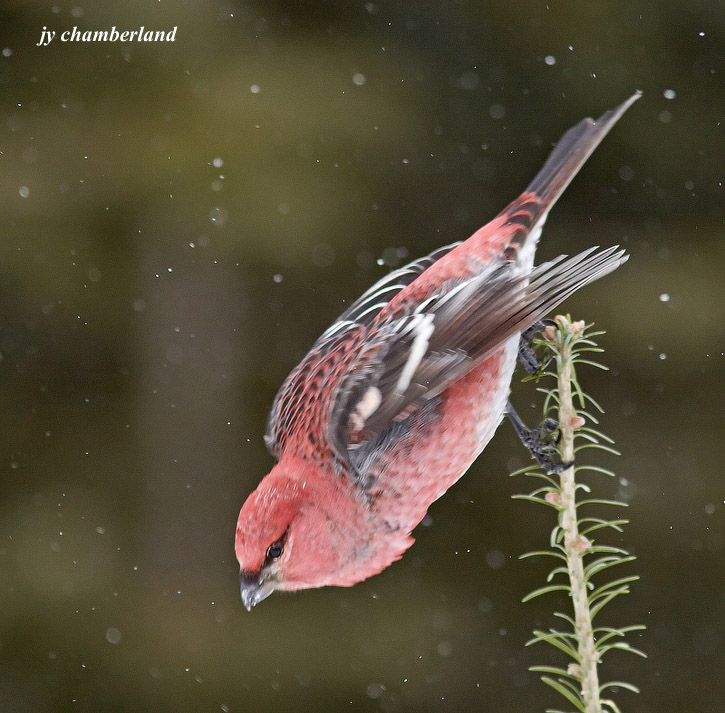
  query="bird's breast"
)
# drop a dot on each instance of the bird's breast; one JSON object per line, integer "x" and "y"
{"x": 434, "y": 452}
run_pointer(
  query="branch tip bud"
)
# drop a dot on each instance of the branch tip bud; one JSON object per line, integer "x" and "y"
{"x": 574, "y": 669}
{"x": 581, "y": 544}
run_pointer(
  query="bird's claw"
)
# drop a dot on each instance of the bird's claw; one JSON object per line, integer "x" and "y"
{"x": 538, "y": 441}
{"x": 527, "y": 355}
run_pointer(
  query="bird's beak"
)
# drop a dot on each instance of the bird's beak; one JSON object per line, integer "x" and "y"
{"x": 253, "y": 590}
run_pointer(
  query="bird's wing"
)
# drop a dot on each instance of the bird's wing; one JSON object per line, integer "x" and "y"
{"x": 302, "y": 394}
{"x": 299, "y": 409}
{"x": 366, "y": 307}
{"x": 405, "y": 362}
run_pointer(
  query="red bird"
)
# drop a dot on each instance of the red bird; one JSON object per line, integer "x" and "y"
{"x": 399, "y": 396}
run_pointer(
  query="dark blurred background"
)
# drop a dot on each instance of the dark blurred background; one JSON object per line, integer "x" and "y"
{"x": 179, "y": 223}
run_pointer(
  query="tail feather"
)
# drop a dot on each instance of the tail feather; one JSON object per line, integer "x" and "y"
{"x": 528, "y": 212}
{"x": 569, "y": 155}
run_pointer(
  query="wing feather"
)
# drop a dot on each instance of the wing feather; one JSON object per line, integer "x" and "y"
{"x": 364, "y": 309}
{"x": 323, "y": 362}
{"x": 459, "y": 328}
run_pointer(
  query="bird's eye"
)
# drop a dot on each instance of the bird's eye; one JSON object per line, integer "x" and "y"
{"x": 275, "y": 550}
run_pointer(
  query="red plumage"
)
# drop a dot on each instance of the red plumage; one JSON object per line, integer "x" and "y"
{"x": 399, "y": 396}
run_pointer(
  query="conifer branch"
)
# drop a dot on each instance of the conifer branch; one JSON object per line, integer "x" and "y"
{"x": 572, "y": 539}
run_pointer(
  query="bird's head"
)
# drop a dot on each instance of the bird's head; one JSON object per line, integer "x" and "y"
{"x": 293, "y": 533}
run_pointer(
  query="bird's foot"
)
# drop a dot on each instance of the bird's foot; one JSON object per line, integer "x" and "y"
{"x": 528, "y": 357}
{"x": 540, "y": 442}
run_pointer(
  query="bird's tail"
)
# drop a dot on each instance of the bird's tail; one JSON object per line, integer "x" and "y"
{"x": 529, "y": 211}
{"x": 569, "y": 155}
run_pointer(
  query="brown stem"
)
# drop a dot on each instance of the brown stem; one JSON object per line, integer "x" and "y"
{"x": 575, "y": 545}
